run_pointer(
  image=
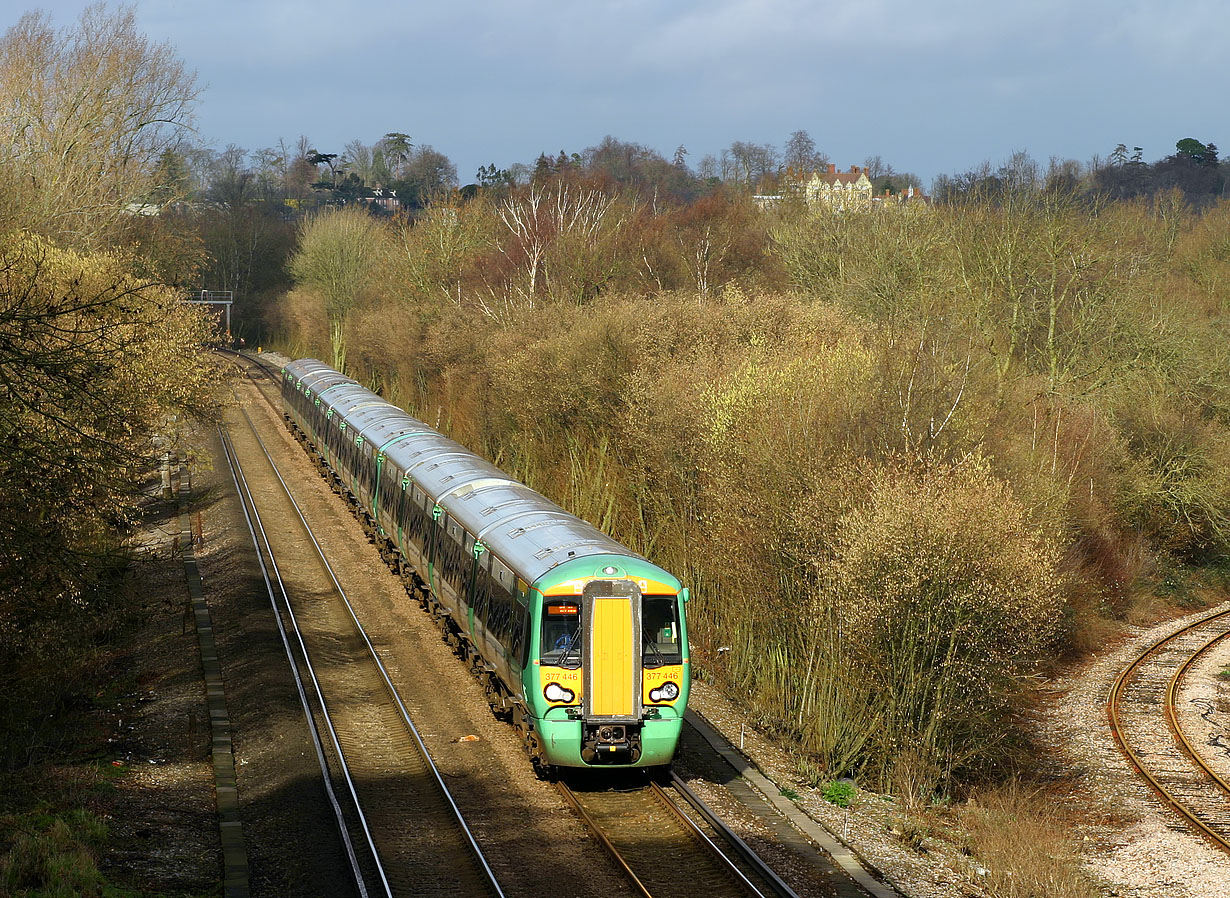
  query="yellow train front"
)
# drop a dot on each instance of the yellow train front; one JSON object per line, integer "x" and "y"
{"x": 579, "y": 640}
{"x": 609, "y": 680}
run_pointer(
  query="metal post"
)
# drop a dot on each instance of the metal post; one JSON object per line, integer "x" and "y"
{"x": 165, "y": 469}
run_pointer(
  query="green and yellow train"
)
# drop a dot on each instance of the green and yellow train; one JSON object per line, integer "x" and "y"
{"x": 580, "y": 641}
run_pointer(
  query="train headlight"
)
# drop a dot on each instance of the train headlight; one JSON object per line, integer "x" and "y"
{"x": 667, "y": 692}
{"x": 557, "y": 693}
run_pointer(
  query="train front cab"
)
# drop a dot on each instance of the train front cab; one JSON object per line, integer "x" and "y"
{"x": 609, "y": 681}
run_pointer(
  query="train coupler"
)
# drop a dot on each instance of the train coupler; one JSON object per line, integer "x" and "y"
{"x": 611, "y": 743}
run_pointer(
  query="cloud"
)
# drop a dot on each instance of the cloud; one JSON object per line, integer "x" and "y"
{"x": 931, "y": 86}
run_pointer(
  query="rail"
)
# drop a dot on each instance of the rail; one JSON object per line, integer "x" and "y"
{"x": 1165, "y": 785}
{"x": 486, "y": 878}
{"x": 623, "y": 820}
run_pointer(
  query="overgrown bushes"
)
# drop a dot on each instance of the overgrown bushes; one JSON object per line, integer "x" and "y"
{"x": 954, "y": 446}
{"x": 946, "y": 594}
{"x": 93, "y": 362}
{"x": 339, "y": 254}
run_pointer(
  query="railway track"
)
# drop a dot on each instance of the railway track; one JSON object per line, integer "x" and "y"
{"x": 260, "y": 374}
{"x": 403, "y": 833}
{"x": 1170, "y": 762}
{"x": 664, "y": 851}
{"x": 664, "y": 839}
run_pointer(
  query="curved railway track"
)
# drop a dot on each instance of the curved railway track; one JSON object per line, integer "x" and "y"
{"x": 1172, "y": 766}
{"x": 402, "y": 830}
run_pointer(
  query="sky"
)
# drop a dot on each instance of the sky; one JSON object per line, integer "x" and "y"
{"x": 930, "y": 86}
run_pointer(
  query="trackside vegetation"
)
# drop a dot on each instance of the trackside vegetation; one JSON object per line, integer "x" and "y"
{"x": 99, "y": 368}
{"x": 906, "y": 458}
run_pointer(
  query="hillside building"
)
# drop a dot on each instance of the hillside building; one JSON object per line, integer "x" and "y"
{"x": 840, "y": 191}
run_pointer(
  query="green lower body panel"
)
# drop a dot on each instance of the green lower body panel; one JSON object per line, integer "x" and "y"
{"x": 561, "y": 743}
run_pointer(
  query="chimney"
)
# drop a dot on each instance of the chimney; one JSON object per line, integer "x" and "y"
{"x": 832, "y": 168}
{"x": 854, "y": 169}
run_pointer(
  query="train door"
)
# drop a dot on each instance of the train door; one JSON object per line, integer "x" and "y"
{"x": 611, "y": 615}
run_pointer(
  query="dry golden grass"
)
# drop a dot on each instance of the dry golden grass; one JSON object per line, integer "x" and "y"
{"x": 1024, "y": 845}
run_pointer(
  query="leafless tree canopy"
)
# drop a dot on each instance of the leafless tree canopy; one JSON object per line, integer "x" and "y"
{"x": 86, "y": 113}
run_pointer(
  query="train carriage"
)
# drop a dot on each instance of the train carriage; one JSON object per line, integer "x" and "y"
{"x": 582, "y": 640}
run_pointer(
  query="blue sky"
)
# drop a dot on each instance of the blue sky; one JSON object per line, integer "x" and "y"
{"x": 932, "y": 86}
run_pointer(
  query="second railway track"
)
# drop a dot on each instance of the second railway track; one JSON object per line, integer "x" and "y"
{"x": 1144, "y": 718}
{"x": 406, "y": 834}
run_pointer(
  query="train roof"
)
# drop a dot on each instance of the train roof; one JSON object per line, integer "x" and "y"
{"x": 524, "y": 529}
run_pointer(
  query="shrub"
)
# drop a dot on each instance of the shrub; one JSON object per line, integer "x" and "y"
{"x": 946, "y": 593}
{"x": 839, "y": 792}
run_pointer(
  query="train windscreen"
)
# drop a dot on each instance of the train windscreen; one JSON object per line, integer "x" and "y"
{"x": 660, "y": 631}
{"x": 561, "y": 633}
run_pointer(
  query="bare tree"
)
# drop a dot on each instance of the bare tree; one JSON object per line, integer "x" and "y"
{"x": 538, "y": 218}
{"x": 336, "y": 258}
{"x": 801, "y": 155}
{"x": 520, "y": 173}
{"x": 358, "y": 158}
{"x": 303, "y": 147}
{"x": 1021, "y": 173}
{"x": 885, "y": 178}
{"x": 231, "y": 183}
{"x": 86, "y": 114}
{"x": 299, "y": 171}
{"x": 270, "y": 169}
{"x": 877, "y": 168}
{"x": 429, "y": 172}
{"x": 1064, "y": 175}
{"x": 752, "y": 162}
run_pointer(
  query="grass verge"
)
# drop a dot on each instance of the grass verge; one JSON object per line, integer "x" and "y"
{"x": 1021, "y": 846}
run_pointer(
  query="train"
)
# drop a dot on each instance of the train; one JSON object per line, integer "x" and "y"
{"x": 579, "y": 641}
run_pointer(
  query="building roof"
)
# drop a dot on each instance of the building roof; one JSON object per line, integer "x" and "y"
{"x": 833, "y": 176}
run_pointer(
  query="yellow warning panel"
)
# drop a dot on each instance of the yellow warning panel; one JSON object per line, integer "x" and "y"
{"x": 612, "y": 656}
{"x": 652, "y": 680}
